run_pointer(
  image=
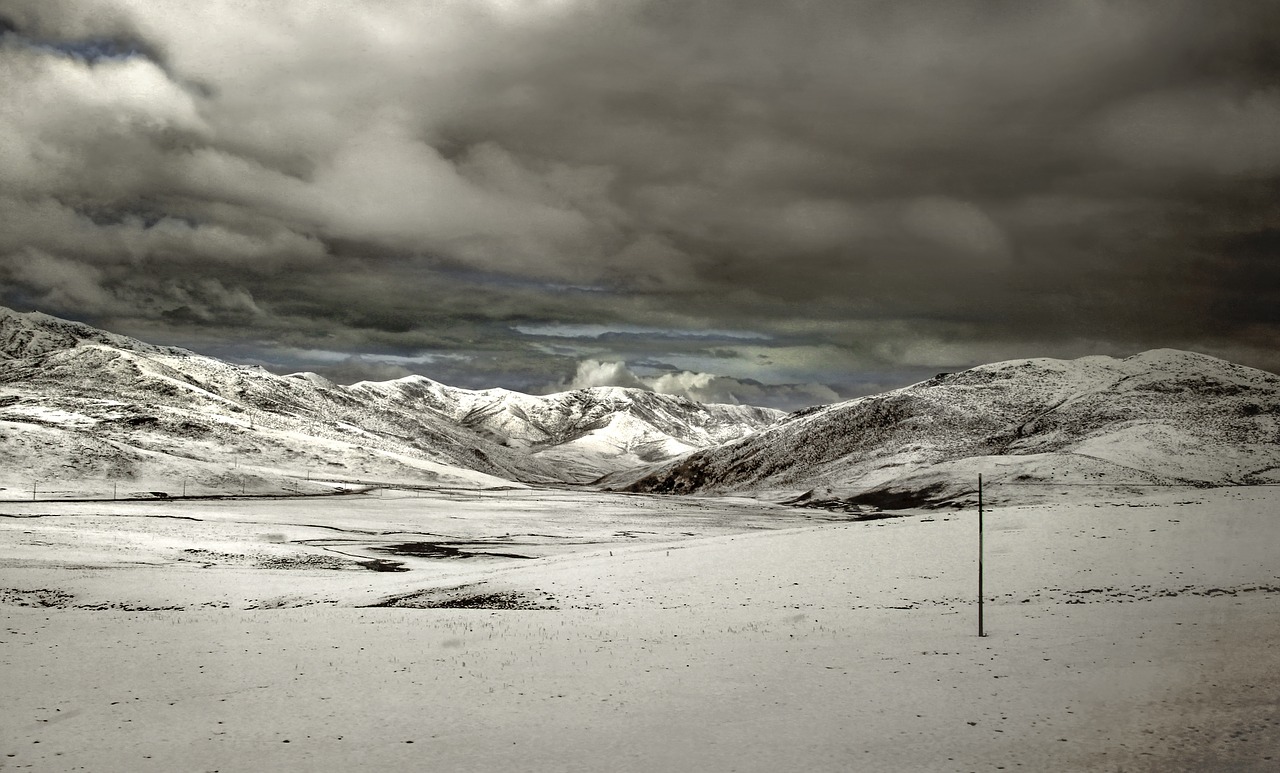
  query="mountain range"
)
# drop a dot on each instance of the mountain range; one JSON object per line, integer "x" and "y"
{"x": 1162, "y": 417}
{"x": 81, "y": 404}
{"x": 81, "y": 408}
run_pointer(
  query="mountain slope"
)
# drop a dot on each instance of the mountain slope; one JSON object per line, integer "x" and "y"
{"x": 98, "y": 411}
{"x": 77, "y": 403}
{"x": 587, "y": 432}
{"x": 1163, "y": 416}
{"x": 35, "y": 333}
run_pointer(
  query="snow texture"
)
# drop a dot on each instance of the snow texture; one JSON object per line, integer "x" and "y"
{"x": 1125, "y": 632}
{"x": 82, "y": 410}
{"x": 1163, "y": 416}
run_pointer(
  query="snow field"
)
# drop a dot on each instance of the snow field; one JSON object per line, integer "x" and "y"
{"x": 1133, "y": 633}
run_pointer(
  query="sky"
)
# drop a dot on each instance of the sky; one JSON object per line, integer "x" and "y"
{"x": 783, "y": 202}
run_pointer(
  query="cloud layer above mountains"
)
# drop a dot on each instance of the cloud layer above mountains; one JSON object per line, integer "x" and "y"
{"x": 830, "y": 195}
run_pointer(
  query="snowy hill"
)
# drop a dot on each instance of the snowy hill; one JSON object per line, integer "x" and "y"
{"x": 34, "y": 334}
{"x": 80, "y": 406}
{"x": 1163, "y": 416}
{"x": 588, "y": 432}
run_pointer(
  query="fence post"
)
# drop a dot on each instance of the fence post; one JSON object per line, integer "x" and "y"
{"x": 981, "y": 630}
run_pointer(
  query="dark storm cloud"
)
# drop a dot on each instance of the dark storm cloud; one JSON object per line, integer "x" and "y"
{"x": 860, "y": 189}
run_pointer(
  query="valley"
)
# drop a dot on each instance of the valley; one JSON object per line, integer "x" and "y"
{"x": 207, "y": 566}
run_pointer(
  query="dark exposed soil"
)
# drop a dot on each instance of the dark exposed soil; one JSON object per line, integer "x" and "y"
{"x": 902, "y": 499}
{"x": 383, "y": 565}
{"x": 439, "y": 550}
{"x": 467, "y": 598}
{"x": 879, "y": 503}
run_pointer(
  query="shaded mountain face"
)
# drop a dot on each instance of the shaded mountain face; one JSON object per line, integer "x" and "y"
{"x": 80, "y": 403}
{"x": 1163, "y": 416}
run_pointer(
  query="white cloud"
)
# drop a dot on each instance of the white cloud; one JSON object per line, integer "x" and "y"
{"x": 710, "y": 388}
{"x": 593, "y": 373}
{"x": 71, "y": 126}
{"x": 699, "y": 387}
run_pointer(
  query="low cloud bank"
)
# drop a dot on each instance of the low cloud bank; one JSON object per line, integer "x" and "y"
{"x": 700, "y": 387}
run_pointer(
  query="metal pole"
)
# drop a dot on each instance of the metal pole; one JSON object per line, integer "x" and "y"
{"x": 33, "y": 490}
{"x": 981, "y": 630}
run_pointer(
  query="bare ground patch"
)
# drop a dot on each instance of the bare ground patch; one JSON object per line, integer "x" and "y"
{"x": 469, "y": 597}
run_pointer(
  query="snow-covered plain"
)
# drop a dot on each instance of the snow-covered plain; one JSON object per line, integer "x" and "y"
{"x": 1129, "y": 630}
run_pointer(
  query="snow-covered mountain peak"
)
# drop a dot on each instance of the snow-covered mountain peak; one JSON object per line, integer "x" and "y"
{"x": 182, "y": 410}
{"x": 35, "y": 333}
{"x": 582, "y": 430}
{"x": 315, "y": 379}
